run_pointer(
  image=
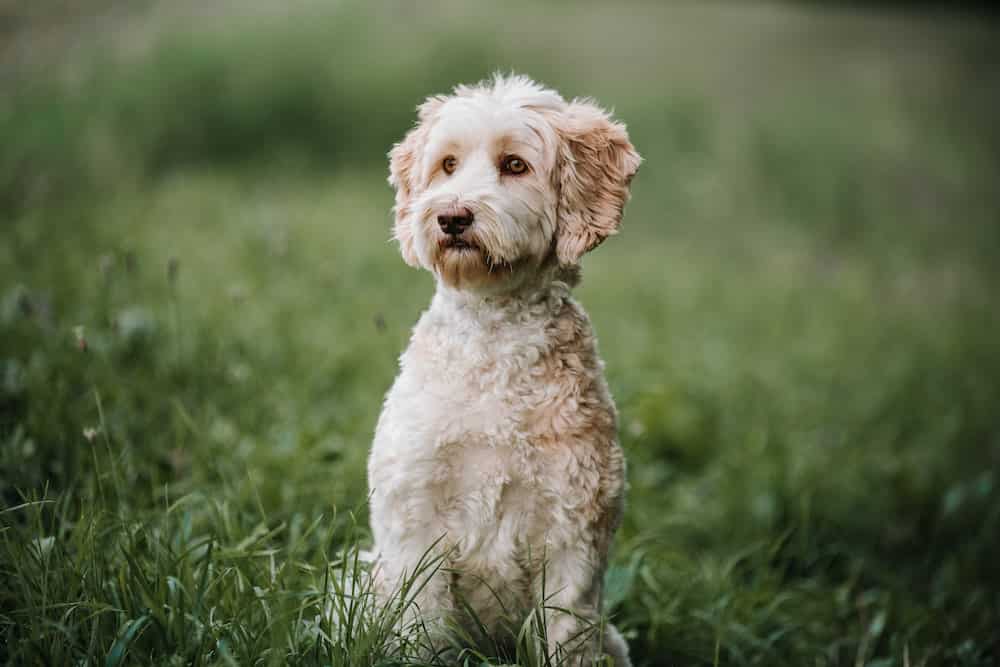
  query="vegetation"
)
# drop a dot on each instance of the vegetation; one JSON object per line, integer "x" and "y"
{"x": 200, "y": 313}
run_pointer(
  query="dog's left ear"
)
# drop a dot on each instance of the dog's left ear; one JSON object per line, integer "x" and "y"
{"x": 596, "y": 163}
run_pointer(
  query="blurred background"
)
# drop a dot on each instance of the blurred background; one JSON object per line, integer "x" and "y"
{"x": 200, "y": 311}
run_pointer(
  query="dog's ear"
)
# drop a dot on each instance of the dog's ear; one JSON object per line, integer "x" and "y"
{"x": 596, "y": 163}
{"x": 404, "y": 175}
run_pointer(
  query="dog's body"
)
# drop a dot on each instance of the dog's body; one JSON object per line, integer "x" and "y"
{"x": 496, "y": 447}
{"x": 504, "y": 444}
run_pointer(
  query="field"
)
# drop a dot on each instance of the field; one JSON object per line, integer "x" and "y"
{"x": 200, "y": 312}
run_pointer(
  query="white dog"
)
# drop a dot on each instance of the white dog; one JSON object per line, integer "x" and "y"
{"x": 496, "y": 447}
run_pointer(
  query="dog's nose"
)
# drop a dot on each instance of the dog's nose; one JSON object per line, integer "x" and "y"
{"x": 455, "y": 221}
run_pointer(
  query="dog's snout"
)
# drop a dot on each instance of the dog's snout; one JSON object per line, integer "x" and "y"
{"x": 455, "y": 221}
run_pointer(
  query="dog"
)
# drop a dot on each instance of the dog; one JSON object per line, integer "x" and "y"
{"x": 496, "y": 448}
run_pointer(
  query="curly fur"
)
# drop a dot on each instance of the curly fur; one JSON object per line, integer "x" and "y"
{"x": 497, "y": 442}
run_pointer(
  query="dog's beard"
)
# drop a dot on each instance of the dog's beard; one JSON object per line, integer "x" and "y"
{"x": 465, "y": 263}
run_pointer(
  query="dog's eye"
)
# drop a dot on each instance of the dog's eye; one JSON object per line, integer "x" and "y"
{"x": 512, "y": 164}
{"x": 449, "y": 164}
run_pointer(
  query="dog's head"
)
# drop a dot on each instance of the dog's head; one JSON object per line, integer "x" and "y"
{"x": 504, "y": 177}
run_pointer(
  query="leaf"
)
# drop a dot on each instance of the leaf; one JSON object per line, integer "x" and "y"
{"x": 132, "y": 629}
{"x": 618, "y": 582}
{"x": 877, "y": 625}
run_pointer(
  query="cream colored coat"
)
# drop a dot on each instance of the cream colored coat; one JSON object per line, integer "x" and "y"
{"x": 496, "y": 447}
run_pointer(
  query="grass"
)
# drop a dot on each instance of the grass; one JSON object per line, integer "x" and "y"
{"x": 200, "y": 313}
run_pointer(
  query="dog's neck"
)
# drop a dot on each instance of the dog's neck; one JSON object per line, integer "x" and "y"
{"x": 541, "y": 296}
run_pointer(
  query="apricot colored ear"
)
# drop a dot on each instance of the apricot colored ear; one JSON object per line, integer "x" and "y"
{"x": 404, "y": 167}
{"x": 596, "y": 164}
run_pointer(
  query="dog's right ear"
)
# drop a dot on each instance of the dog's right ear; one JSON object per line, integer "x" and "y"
{"x": 404, "y": 175}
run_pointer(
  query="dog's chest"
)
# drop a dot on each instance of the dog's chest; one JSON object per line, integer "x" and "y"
{"x": 493, "y": 428}
{"x": 460, "y": 423}
{"x": 474, "y": 386}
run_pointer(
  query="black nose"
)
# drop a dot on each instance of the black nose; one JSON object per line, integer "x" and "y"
{"x": 455, "y": 221}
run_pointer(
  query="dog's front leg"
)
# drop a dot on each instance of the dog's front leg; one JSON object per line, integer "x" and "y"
{"x": 572, "y": 602}
{"x": 412, "y": 584}
{"x": 572, "y": 592}
{"x": 411, "y": 581}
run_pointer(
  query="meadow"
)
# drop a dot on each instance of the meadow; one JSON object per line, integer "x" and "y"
{"x": 200, "y": 311}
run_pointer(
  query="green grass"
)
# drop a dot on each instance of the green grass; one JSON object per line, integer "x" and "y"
{"x": 799, "y": 323}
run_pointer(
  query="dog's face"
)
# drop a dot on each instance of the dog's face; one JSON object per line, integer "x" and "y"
{"x": 504, "y": 177}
